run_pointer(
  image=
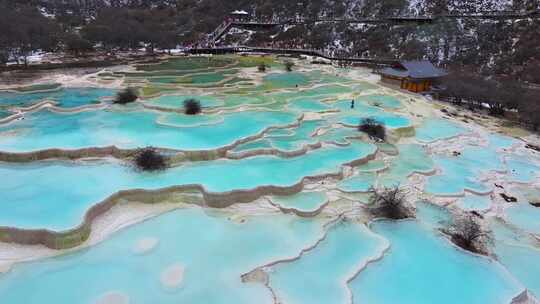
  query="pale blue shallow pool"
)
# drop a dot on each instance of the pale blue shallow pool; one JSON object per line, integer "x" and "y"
{"x": 464, "y": 172}
{"x": 422, "y": 267}
{"x": 519, "y": 254}
{"x": 36, "y": 196}
{"x": 411, "y": 159}
{"x": 436, "y": 129}
{"x": 358, "y": 183}
{"x": 309, "y": 105}
{"x": 285, "y": 80}
{"x": 213, "y": 250}
{"x": 321, "y": 275}
{"x": 303, "y": 201}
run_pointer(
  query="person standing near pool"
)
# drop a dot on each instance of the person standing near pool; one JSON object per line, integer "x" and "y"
{"x": 352, "y": 104}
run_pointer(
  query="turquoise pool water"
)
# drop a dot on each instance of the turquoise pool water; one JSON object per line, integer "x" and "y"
{"x": 475, "y": 202}
{"x": 358, "y": 183}
{"x": 301, "y": 136}
{"x": 4, "y": 114}
{"x": 321, "y": 275}
{"x": 132, "y": 129}
{"x": 373, "y": 166}
{"x": 433, "y": 216}
{"x": 177, "y": 101}
{"x": 327, "y": 91}
{"x": 363, "y": 109}
{"x": 46, "y": 202}
{"x": 285, "y": 80}
{"x": 303, "y": 201}
{"x": 522, "y": 170}
{"x": 460, "y": 173}
{"x": 519, "y": 255}
{"x": 338, "y": 136}
{"x": 436, "y": 129}
{"x": 422, "y": 267}
{"x": 254, "y": 145}
{"x": 287, "y": 140}
{"x": 388, "y": 120}
{"x": 412, "y": 158}
{"x": 309, "y": 105}
{"x": 213, "y": 259}
{"x": 194, "y": 79}
{"x": 187, "y": 121}
{"x": 66, "y": 97}
{"x": 524, "y": 216}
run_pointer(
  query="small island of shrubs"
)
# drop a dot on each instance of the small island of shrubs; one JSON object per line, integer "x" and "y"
{"x": 126, "y": 96}
{"x": 192, "y": 106}
{"x": 149, "y": 159}
{"x": 373, "y": 128}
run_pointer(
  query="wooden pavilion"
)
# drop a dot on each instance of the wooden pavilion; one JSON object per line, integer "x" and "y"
{"x": 416, "y": 76}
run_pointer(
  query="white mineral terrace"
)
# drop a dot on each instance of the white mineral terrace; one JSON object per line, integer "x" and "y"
{"x": 268, "y": 198}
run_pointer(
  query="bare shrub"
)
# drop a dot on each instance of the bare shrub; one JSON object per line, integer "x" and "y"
{"x": 262, "y": 67}
{"x": 373, "y": 128}
{"x": 148, "y": 159}
{"x": 289, "y": 66}
{"x": 126, "y": 96}
{"x": 390, "y": 203}
{"x": 192, "y": 106}
{"x": 467, "y": 232}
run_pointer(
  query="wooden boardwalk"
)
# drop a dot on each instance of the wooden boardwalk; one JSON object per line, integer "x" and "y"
{"x": 223, "y": 28}
{"x": 307, "y": 52}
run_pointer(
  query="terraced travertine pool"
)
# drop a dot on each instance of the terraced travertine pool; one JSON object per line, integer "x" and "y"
{"x": 267, "y": 197}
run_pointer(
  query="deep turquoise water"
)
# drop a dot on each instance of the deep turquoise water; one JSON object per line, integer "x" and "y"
{"x": 132, "y": 129}
{"x": 177, "y": 101}
{"x": 66, "y": 97}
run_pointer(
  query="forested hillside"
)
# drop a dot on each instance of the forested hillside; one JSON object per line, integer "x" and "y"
{"x": 504, "y": 47}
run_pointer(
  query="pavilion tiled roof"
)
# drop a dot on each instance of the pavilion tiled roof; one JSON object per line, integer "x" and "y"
{"x": 418, "y": 69}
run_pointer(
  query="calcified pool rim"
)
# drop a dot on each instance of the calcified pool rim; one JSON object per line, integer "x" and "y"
{"x": 76, "y": 236}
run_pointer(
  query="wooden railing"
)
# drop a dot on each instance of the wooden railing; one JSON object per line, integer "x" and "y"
{"x": 291, "y": 51}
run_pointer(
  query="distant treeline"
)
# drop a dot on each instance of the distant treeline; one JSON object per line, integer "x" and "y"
{"x": 503, "y": 97}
